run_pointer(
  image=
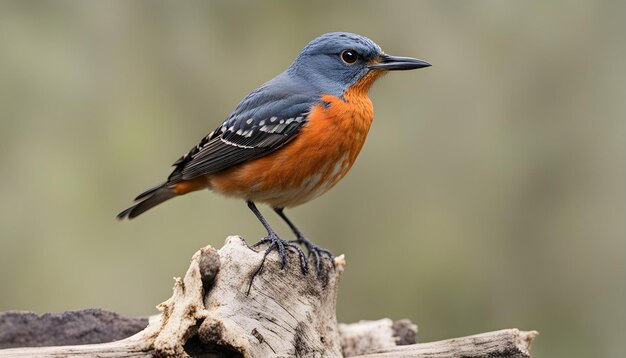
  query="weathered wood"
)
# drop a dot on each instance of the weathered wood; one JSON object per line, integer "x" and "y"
{"x": 217, "y": 309}
{"x": 280, "y": 312}
{"x": 367, "y": 336}
{"x": 509, "y": 343}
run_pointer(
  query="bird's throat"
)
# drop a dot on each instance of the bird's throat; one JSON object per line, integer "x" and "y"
{"x": 362, "y": 86}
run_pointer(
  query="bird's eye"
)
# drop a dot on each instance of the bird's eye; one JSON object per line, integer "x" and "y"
{"x": 349, "y": 56}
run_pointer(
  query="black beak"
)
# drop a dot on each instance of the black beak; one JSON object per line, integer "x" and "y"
{"x": 397, "y": 63}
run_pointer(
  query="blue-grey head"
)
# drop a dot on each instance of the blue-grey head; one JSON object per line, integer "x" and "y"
{"x": 334, "y": 62}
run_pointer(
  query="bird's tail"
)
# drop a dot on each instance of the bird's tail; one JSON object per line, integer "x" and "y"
{"x": 147, "y": 200}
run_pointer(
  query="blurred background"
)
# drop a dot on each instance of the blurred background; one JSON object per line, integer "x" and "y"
{"x": 490, "y": 193}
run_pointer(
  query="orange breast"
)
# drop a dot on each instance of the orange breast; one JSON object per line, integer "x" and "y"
{"x": 308, "y": 166}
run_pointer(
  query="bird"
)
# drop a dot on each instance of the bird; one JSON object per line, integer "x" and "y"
{"x": 290, "y": 140}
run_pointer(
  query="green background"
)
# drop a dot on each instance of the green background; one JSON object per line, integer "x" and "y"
{"x": 490, "y": 192}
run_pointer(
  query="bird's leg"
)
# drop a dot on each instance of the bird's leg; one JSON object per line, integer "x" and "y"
{"x": 313, "y": 249}
{"x": 276, "y": 243}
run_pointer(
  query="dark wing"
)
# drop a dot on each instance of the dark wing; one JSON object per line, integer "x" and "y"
{"x": 264, "y": 121}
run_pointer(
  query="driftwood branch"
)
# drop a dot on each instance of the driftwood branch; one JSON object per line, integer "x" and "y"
{"x": 218, "y": 309}
{"x": 510, "y": 343}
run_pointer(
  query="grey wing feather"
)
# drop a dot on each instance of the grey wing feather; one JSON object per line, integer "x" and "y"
{"x": 264, "y": 121}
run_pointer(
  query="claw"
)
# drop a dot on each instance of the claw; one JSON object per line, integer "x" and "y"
{"x": 304, "y": 264}
{"x": 329, "y": 254}
{"x": 276, "y": 243}
{"x": 318, "y": 254}
{"x": 261, "y": 242}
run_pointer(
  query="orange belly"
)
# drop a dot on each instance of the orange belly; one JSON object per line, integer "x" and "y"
{"x": 322, "y": 153}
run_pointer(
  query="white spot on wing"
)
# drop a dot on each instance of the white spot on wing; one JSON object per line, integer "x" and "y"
{"x": 235, "y": 144}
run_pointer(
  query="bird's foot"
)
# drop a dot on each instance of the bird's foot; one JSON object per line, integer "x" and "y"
{"x": 318, "y": 254}
{"x": 280, "y": 245}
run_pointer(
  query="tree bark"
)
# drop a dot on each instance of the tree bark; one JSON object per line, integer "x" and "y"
{"x": 229, "y": 304}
